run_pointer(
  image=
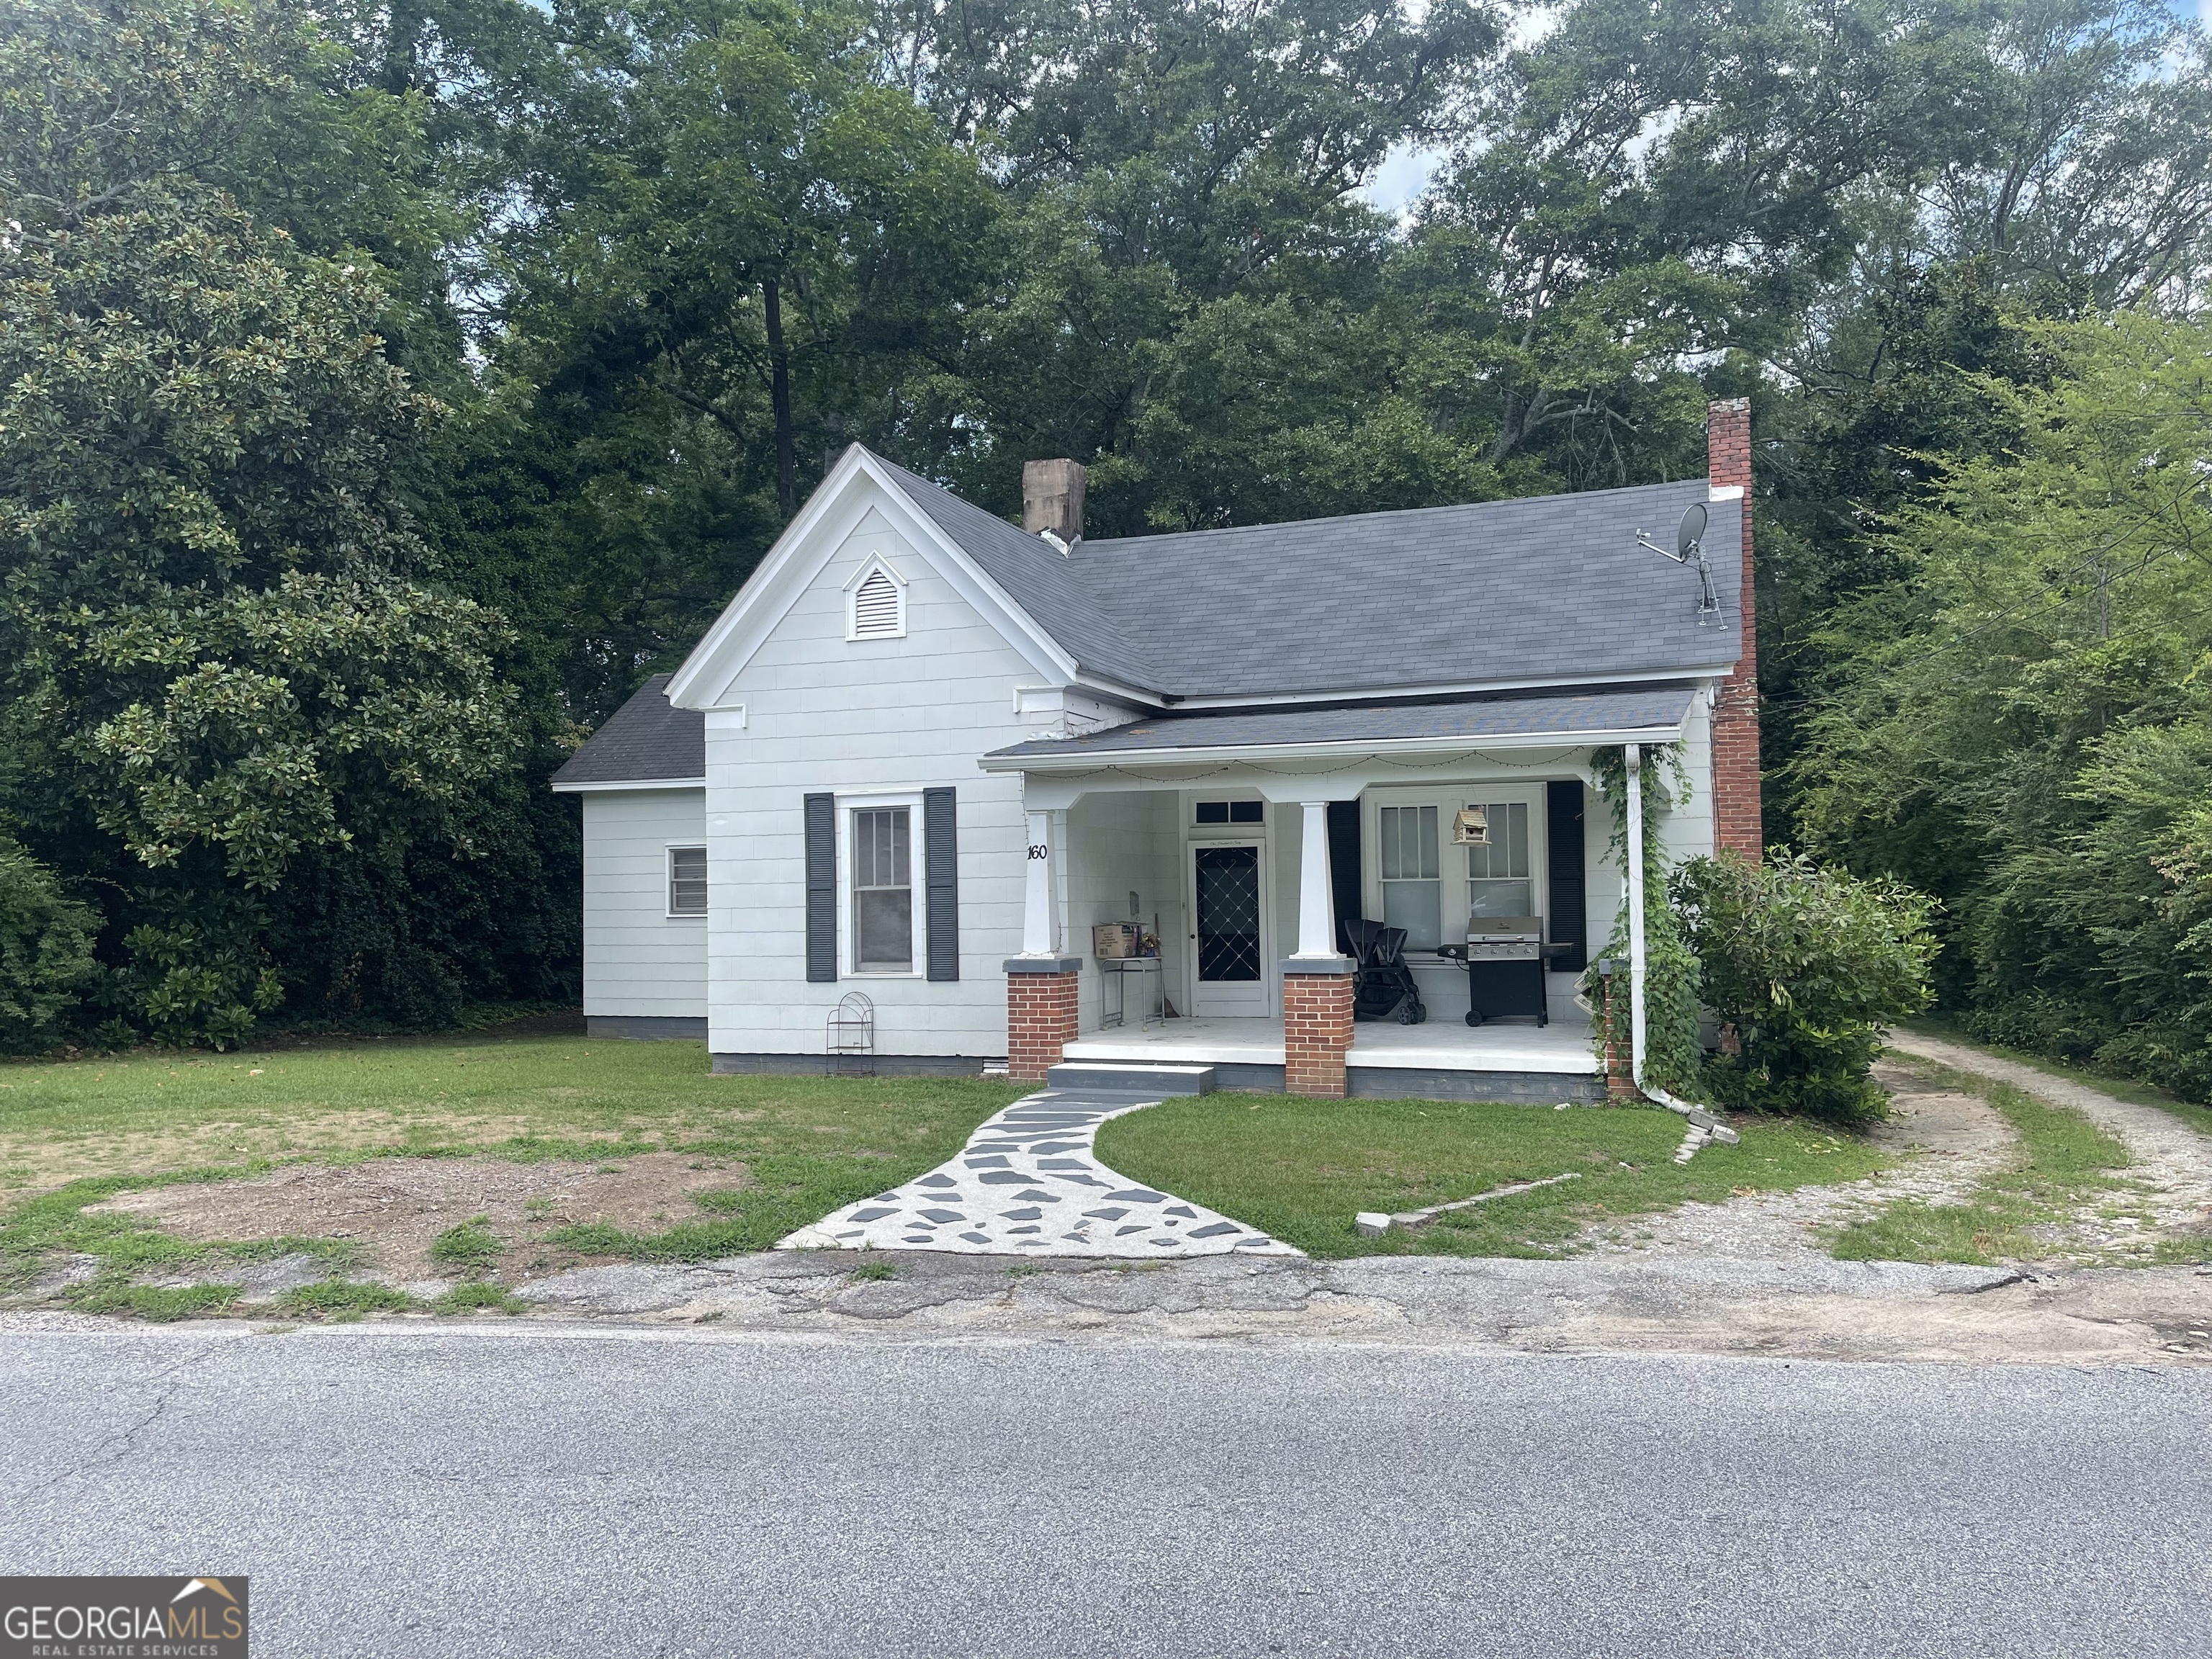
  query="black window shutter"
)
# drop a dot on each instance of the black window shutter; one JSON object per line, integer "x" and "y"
{"x": 1563, "y": 819}
{"x": 940, "y": 830}
{"x": 1344, "y": 882}
{"x": 821, "y": 889}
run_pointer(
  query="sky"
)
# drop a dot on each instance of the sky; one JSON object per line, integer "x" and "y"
{"x": 1406, "y": 170}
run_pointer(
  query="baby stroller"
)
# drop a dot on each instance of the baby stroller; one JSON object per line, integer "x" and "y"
{"x": 1382, "y": 984}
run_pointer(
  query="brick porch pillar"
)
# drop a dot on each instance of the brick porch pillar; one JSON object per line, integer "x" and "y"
{"x": 1619, "y": 1063}
{"x": 1316, "y": 1026}
{"x": 1736, "y": 816}
{"x": 1317, "y": 981}
{"x": 1040, "y": 993}
{"x": 1041, "y": 982}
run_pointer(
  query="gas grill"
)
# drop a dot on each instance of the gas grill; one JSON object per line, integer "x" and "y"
{"x": 1504, "y": 956}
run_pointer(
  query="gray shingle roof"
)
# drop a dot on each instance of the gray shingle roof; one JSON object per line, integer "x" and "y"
{"x": 1567, "y": 716}
{"x": 1043, "y": 583}
{"x": 644, "y": 739}
{"x": 1544, "y": 588}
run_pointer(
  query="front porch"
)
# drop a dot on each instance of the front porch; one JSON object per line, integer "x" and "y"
{"x": 1233, "y": 850}
{"x": 1439, "y": 1059}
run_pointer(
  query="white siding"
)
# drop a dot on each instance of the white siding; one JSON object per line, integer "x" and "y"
{"x": 823, "y": 713}
{"x": 638, "y": 959}
{"x": 1121, "y": 844}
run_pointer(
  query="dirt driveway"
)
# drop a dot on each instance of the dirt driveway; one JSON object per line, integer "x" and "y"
{"x": 1953, "y": 1139}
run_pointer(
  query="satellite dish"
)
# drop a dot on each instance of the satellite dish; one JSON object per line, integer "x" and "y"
{"x": 1689, "y": 549}
{"x": 1692, "y": 531}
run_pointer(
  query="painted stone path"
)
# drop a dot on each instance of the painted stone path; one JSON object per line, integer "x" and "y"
{"x": 1027, "y": 1184}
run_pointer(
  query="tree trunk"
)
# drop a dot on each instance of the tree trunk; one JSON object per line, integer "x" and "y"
{"x": 779, "y": 393}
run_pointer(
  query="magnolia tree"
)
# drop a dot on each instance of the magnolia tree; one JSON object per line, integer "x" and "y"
{"x": 210, "y": 600}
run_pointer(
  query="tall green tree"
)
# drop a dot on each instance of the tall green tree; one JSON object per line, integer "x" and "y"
{"x": 2017, "y": 722}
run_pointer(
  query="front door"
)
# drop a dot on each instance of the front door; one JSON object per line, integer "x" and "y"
{"x": 1229, "y": 937}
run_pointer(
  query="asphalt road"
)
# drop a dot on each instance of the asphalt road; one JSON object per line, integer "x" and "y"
{"x": 604, "y": 1492}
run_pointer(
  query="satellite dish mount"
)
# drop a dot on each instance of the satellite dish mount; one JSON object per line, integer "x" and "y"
{"x": 1690, "y": 549}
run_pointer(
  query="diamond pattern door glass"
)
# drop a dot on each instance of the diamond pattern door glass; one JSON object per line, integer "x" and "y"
{"x": 1228, "y": 913}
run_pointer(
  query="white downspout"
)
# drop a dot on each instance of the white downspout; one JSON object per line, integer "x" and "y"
{"x": 1703, "y": 1125}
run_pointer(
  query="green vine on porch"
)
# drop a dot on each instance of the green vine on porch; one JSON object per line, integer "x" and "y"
{"x": 1674, "y": 1058}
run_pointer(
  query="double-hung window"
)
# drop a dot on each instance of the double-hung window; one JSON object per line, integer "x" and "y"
{"x": 883, "y": 890}
{"x": 687, "y": 881}
{"x": 1499, "y": 879}
{"x": 1413, "y": 884}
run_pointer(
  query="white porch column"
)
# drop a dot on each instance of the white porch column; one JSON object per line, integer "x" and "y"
{"x": 1037, "y": 932}
{"x": 1316, "y": 916}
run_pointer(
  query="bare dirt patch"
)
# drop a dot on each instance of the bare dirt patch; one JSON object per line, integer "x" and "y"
{"x": 40, "y": 1162}
{"x": 393, "y": 1207}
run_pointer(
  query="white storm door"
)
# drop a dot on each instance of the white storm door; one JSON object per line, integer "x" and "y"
{"x": 1228, "y": 931}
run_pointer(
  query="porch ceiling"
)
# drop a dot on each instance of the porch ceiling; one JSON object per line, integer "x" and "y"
{"x": 1651, "y": 714}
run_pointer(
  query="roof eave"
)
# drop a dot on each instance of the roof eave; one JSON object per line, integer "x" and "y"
{"x": 1436, "y": 689}
{"x": 597, "y": 786}
{"x": 1093, "y": 760}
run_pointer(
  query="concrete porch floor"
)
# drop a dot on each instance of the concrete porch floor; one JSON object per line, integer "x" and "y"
{"x": 1442, "y": 1043}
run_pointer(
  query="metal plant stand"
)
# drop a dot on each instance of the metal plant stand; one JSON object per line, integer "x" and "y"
{"x": 850, "y": 1039}
{"x": 1152, "y": 985}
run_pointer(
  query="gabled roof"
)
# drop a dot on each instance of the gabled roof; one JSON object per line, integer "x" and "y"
{"x": 1540, "y": 589}
{"x": 645, "y": 740}
{"x": 1050, "y": 586}
{"x": 1646, "y": 713}
{"x": 1544, "y": 588}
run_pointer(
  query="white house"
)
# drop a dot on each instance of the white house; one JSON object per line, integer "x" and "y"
{"x": 923, "y": 754}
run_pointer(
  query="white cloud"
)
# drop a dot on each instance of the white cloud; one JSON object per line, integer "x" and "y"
{"x": 1404, "y": 174}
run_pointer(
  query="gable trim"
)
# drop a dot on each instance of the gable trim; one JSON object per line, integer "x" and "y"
{"x": 804, "y": 550}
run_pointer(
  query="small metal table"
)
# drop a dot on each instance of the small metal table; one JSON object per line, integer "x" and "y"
{"x": 1152, "y": 985}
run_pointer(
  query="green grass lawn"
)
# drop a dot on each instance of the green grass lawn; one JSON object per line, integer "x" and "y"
{"x": 513, "y": 1097}
{"x": 72, "y": 1133}
{"x": 2063, "y": 1163}
{"x": 1301, "y": 1168}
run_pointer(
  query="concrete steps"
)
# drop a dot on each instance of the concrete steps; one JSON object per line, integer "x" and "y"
{"x": 1131, "y": 1076}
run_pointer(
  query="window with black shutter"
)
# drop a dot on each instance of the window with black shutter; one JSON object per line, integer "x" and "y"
{"x": 941, "y": 860}
{"x": 821, "y": 889}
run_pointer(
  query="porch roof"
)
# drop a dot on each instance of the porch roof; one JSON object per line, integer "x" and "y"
{"x": 1652, "y": 714}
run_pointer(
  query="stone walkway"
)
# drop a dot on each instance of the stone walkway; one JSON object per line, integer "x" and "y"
{"x": 1028, "y": 1184}
{"x": 1955, "y": 1139}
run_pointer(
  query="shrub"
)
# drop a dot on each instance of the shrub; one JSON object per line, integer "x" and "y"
{"x": 1804, "y": 966}
{"x": 46, "y": 953}
{"x": 200, "y": 979}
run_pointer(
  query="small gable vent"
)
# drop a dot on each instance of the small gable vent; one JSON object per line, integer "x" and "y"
{"x": 878, "y": 607}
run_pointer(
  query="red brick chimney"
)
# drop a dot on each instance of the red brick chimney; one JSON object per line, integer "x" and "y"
{"x": 1737, "y": 820}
